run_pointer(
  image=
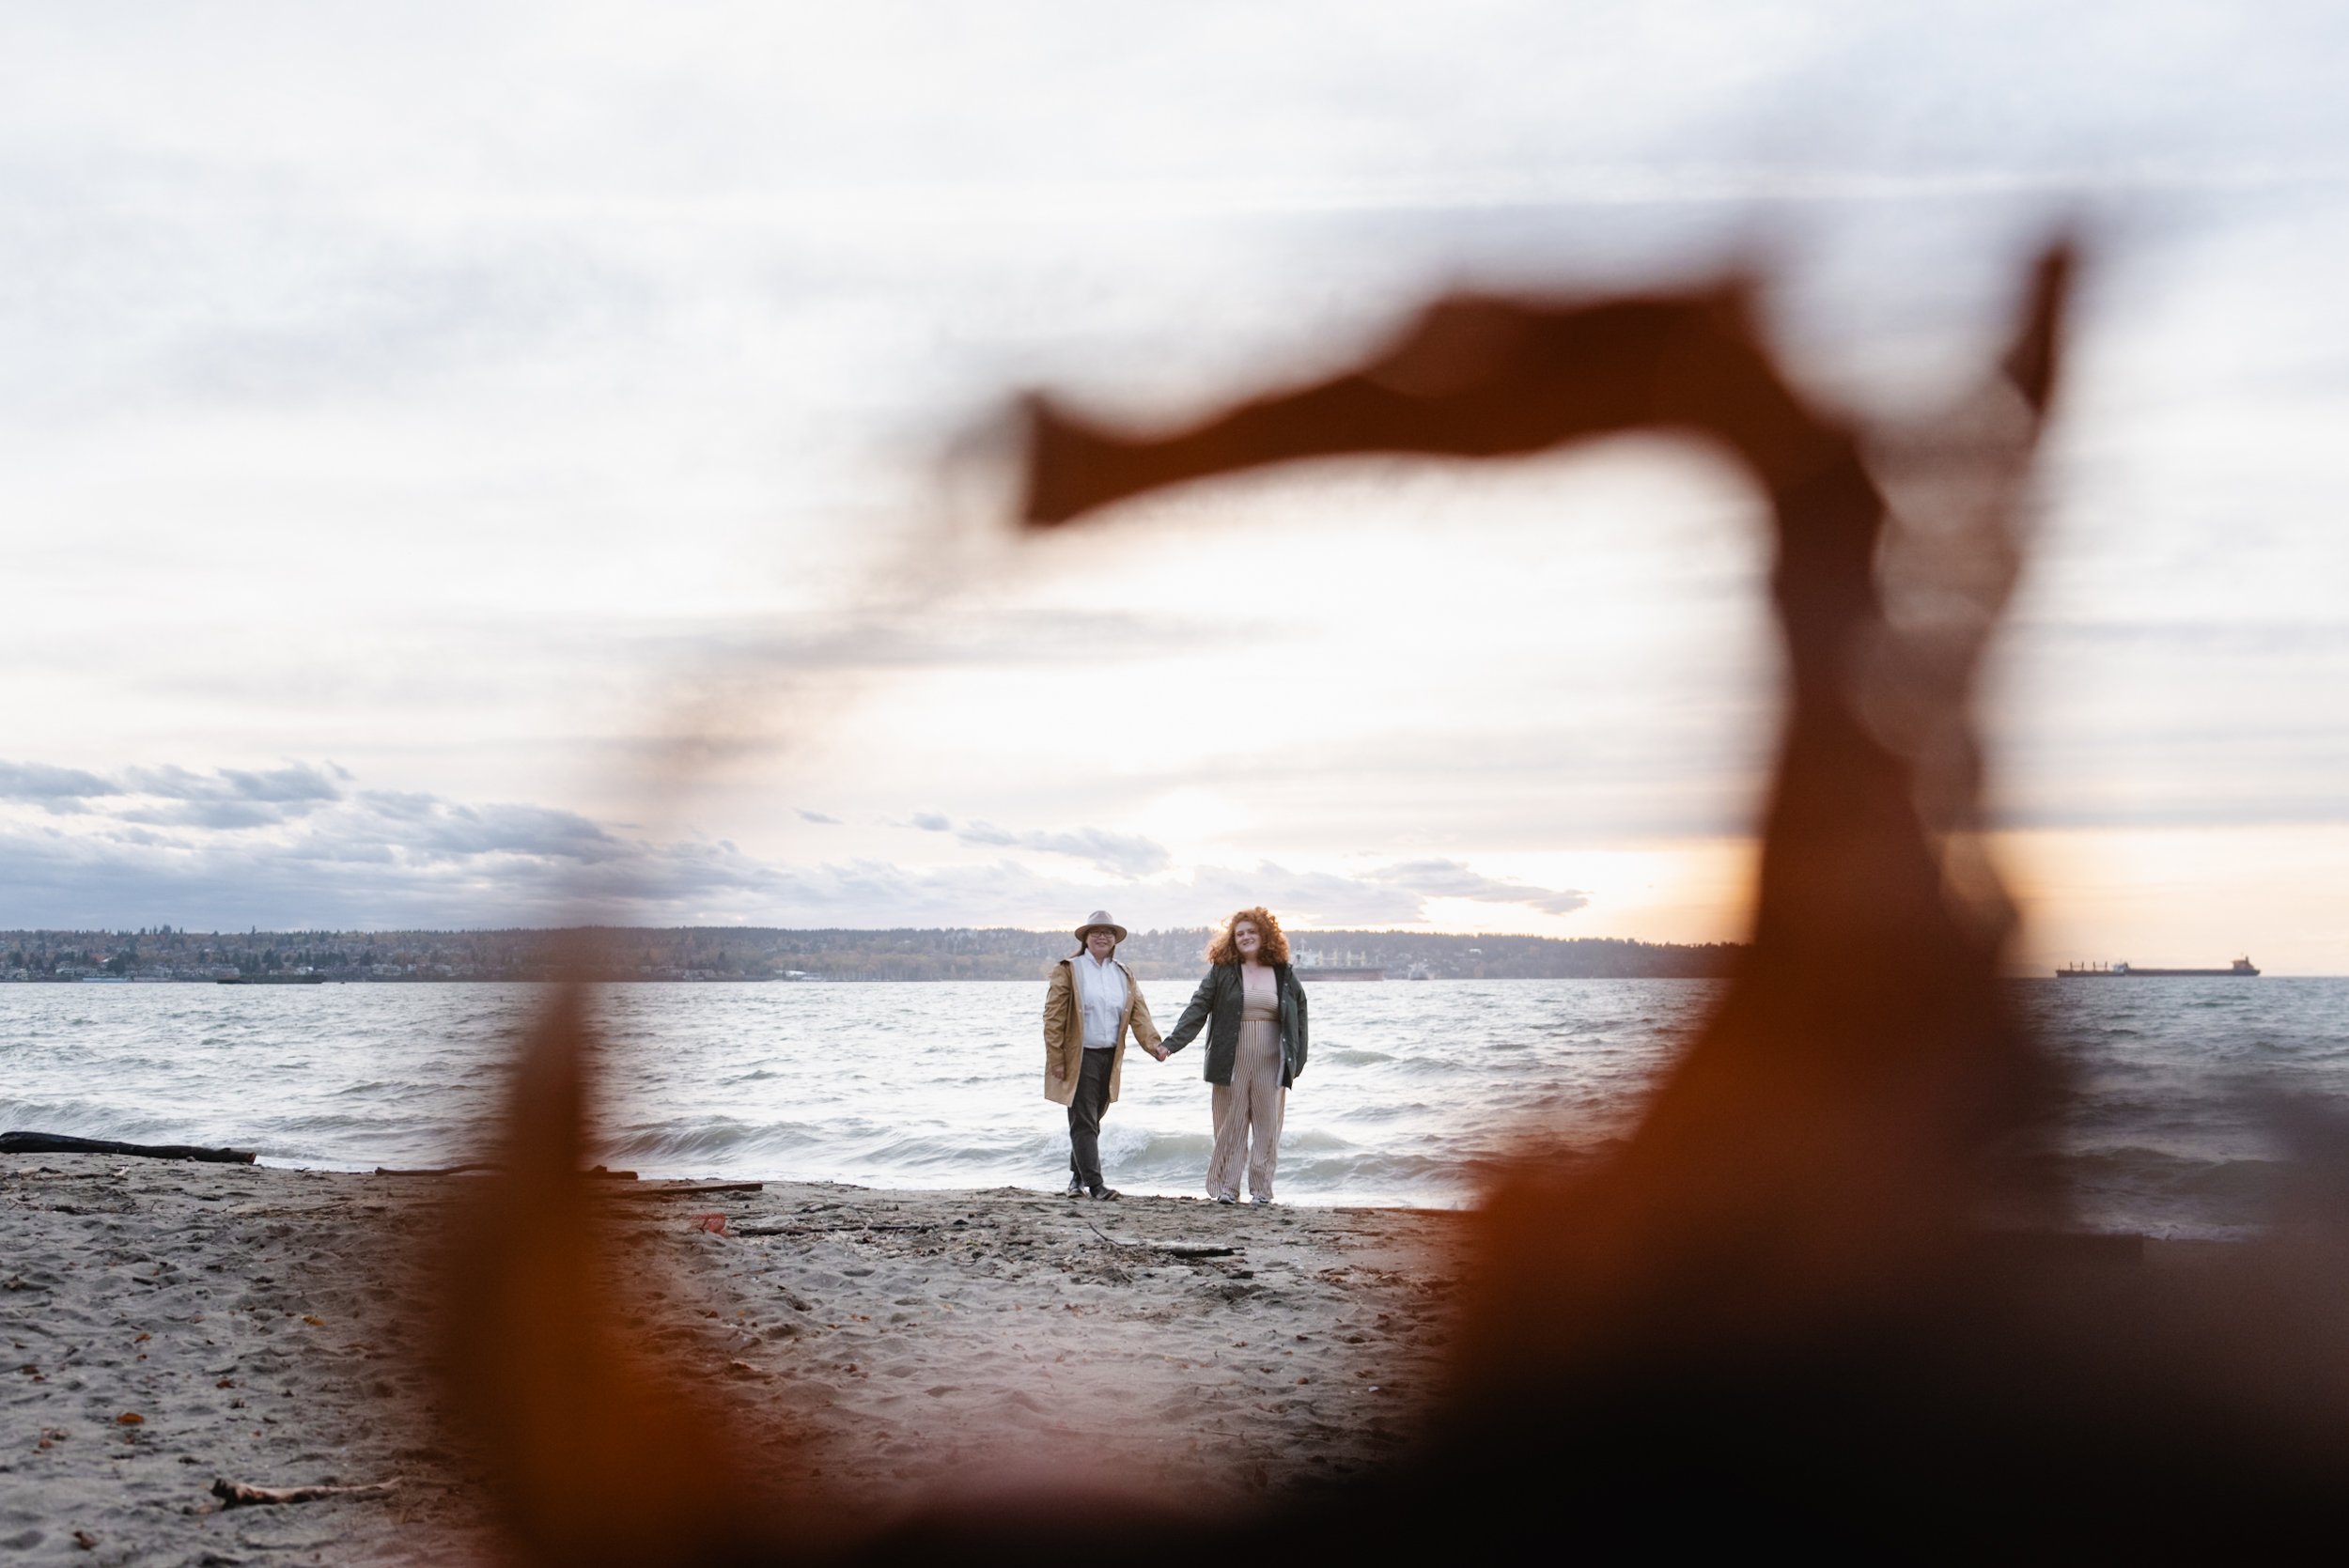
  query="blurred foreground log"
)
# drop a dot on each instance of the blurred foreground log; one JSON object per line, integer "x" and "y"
{"x": 1770, "y": 1316}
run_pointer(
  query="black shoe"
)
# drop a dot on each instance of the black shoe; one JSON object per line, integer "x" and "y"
{"x": 1075, "y": 1187}
{"x": 1103, "y": 1194}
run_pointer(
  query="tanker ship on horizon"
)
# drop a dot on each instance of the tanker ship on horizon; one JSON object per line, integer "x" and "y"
{"x": 2123, "y": 970}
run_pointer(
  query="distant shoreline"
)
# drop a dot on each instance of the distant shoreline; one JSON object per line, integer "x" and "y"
{"x": 722, "y": 979}
{"x": 613, "y": 954}
{"x": 2018, "y": 976}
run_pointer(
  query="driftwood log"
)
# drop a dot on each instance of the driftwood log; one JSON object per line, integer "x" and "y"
{"x": 236, "y": 1494}
{"x": 58, "y": 1143}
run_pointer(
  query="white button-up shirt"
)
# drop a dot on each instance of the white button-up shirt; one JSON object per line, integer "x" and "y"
{"x": 1101, "y": 988}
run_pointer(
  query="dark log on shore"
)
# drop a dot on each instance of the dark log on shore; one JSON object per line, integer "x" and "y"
{"x": 58, "y": 1143}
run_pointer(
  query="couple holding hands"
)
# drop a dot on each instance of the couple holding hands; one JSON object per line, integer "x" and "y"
{"x": 1253, "y": 1009}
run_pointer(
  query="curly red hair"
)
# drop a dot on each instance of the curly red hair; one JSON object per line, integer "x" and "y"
{"x": 1276, "y": 946}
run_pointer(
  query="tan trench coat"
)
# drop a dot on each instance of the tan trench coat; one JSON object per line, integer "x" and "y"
{"x": 1065, "y": 1032}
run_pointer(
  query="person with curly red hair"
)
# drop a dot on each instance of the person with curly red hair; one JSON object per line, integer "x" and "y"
{"x": 1254, "y": 1013}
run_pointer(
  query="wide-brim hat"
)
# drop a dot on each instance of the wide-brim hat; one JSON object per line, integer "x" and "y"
{"x": 1097, "y": 920}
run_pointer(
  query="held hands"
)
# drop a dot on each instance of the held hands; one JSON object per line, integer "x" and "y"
{"x": 1160, "y": 1052}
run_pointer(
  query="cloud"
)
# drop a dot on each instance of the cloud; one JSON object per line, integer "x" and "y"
{"x": 355, "y": 858}
{"x": 225, "y": 799}
{"x": 963, "y": 636}
{"x": 295, "y": 785}
{"x": 1437, "y": 878}
{"x": 455, "y": 832}
{"x": 214, "y": 814}
{"x": 37, "y": 781}
{"x": 1300, "y": 898}
{"x": 807, "y": 815}
{"x": 1122, "y": 855}
{"x": 297, "y": 846}
{"x": 368, "y": 858}
{"x": 1119, "y": 854}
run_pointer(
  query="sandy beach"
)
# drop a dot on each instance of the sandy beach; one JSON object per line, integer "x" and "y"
{"x": 172, "y": 1325}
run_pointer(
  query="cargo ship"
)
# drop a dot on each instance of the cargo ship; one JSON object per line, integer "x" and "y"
{"x": 2123, "y": 970}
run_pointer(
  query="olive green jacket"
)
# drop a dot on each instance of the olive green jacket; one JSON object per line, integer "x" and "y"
{"x": 1217, "y": 1004}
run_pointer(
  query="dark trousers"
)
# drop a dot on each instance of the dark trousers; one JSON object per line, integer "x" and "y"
{"x": 1084, "y": 1117}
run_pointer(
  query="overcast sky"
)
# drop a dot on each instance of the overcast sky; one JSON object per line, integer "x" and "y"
{"x": 412, "y": 420}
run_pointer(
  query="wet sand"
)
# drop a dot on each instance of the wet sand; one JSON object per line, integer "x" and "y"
{"x": 275, "y": 1328}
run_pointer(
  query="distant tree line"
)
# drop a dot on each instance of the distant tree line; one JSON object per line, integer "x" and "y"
{"x": 761, "y": 953}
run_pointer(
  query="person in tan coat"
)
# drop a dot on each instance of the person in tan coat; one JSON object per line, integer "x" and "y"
{"x": 1090, "y": 1006}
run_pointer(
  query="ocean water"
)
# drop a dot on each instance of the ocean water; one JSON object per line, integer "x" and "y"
{"x": 1413, "y": 1088}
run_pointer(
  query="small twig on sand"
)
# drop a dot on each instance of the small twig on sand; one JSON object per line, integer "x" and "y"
{"x": 236, "y": 1494}
{"x": 686, "y": 1191}
{"x": 823, "y": 1230}
{"x": 1172, "y": 1249}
